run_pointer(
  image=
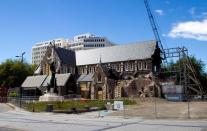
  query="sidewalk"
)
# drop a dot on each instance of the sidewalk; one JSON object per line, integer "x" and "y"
{"x": 29, "y": 121}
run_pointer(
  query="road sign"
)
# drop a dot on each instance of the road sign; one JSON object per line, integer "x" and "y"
{"x": 118, "y": 105}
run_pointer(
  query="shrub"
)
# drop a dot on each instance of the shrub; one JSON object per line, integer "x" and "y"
{"x": 13, "y": 94}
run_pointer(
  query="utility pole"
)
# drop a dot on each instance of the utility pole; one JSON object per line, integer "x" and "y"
{"x": 20, "y": 88}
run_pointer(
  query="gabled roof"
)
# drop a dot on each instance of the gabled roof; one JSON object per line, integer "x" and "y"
{"x": 42, "y": 81}
{"x": 85, "y": 78}
{"x": 65, "y": 55}
{"x": 133, "y": 51}
{"x": 61, "y": 79}
{"x": 34, "y": 81}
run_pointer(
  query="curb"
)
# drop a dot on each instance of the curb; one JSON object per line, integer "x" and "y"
{"x": 11, "y": 105}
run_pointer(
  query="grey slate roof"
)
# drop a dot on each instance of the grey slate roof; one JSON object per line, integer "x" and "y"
{"x": 138, "y": 51}
{"x": 42, "y": 81}
{"x": 85, "y": 78}
{"x": 61, "y": 79}
{"x": 34, "y": 81}
{"x": 65, "y": 55}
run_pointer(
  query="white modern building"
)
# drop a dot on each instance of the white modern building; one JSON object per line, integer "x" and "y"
{"x": 79, "y": 42}
{"x": 38, "y": 51}
{"x": 88, "y": 41}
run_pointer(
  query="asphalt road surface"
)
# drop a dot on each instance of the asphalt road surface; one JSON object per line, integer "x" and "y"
{"x": 19, "y": 120}
{"x": 4, "y": 108}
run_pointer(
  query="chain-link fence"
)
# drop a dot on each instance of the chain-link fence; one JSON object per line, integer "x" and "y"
{"x": 161, "y": 108}
{"x": 194, "y": 108}
{"x": 3, "y": 99}
{"x": 23, "y": 102}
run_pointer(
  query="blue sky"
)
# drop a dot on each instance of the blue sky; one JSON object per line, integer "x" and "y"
{"x": 26, "y": 22}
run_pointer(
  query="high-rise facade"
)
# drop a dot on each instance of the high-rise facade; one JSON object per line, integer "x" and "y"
{"x": 38, "y": 51}
{"x": 88, "y": 41}
{"x": 79, "y": 42}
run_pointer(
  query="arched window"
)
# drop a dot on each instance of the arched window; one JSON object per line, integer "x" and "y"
{"x": 125, "y": 67}
{"x": 130, "y": 67}
{"x": 145, "y": 65}
{"x": 94, "y": 69}
{"x": 140, "y": 66}
{"x": 99, "y": 78}
{"x": 117, "y": 67}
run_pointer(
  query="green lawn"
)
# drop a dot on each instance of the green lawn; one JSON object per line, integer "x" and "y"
{"x": 78, "y": 104}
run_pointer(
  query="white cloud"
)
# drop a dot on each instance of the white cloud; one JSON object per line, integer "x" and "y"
{"x": 191, "y": 29}
{"x": 159, "y": 12}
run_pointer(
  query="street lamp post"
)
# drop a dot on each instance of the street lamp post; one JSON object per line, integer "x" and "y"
{"x": 21, "y": 56}
{"x": 20, "y": 89}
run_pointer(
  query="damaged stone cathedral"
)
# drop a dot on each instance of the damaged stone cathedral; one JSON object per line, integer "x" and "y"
{"x": 101, "y": 73}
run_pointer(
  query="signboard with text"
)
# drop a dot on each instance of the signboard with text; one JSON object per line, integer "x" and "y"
{"x": 118, "y": 105}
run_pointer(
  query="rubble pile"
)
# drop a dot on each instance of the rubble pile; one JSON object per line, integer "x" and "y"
{"x": 142, "y": 86}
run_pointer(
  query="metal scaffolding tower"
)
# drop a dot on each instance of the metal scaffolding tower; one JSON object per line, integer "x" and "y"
{"x": 184, "y": 70}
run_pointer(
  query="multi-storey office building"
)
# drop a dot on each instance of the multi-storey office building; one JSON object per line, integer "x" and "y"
{"x": 88, "y": 41}
{"x": 39, "y": 50}
{"x": 79, "y": 42}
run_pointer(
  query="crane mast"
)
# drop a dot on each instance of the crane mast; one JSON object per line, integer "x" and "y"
{"x": 153, "y": 25}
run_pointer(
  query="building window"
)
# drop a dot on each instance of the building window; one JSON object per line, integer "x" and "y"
{"x": 126, "y": 67}
{"x": 145, "y": 65}
{"x": 113, "y": 66}
{"x": 79, "y": 71}
{"x": 99, "y": 77}
{"x": 71, "y": 70}
{"x": 90, "y": 69}
{"x": 130, "y": 66}
{"x": 94, "y": 69}
{"x": 139, "y": 66}
{"x": 82, "y": 70}
{"x": 118, "y": 67}
{"x": 65, "y": 69}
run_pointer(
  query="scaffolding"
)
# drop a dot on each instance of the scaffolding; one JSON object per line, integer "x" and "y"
{"x": 184, "y": 70}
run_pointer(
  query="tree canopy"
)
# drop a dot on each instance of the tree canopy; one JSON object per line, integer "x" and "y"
{"x": 14, "y": 72}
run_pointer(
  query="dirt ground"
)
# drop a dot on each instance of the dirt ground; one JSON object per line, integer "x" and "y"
{"x": 160, "y": 108}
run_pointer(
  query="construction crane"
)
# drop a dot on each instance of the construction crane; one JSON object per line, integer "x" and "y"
{"x": 154, "y": 27}
{"x": 188, "y": 77}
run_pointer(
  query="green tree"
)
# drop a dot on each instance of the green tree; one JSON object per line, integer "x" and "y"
{"x": 13, "y": 72}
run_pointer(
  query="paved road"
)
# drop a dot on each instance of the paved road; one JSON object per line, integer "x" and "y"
{"x": 4, "y": 108}
{"x": 18, "y": 120}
